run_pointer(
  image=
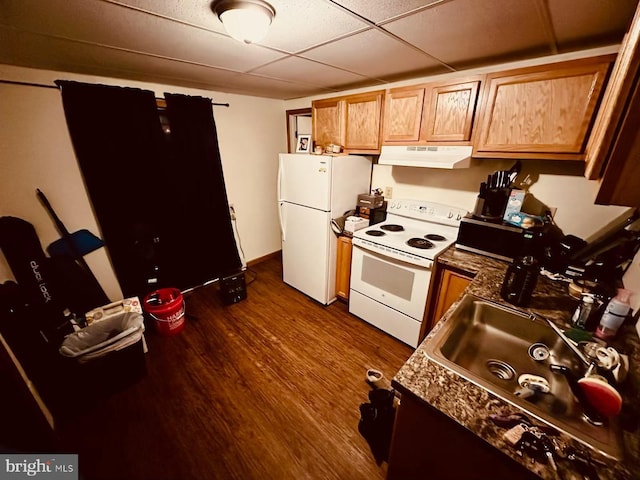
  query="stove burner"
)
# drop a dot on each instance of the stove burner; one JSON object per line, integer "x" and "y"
{"x": 420, "y": 243}
{"x": 435, "y": 237}
{"x": 392, "y": 227}
{"x": 375, "y": 233}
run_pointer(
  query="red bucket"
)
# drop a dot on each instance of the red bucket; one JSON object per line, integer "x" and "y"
{"x": 166, "y": 307}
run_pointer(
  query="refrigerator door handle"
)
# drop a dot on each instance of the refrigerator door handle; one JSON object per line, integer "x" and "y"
{"x": 280, "y": 204}
{"x": 280, "y": 175}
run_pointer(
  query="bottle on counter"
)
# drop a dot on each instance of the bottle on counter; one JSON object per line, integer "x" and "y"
{"x": 520, "y": 281}
{"x": 583, "y": 312}
{"x": 614, "y": 315}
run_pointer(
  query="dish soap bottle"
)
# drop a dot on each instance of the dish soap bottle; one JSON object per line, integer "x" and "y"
{"x": 614, "y": 315}
{"x": 583, "y": 312}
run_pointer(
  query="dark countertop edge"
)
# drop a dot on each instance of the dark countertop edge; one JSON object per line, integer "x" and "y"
{"x": 436, "y": 385}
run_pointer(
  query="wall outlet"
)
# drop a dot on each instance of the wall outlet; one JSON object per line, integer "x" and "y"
{"x": 232, "y": 211}
{"x": 388, "y": 192}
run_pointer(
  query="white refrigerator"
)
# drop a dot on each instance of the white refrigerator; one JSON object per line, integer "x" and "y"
{"x": 313, "y": 189}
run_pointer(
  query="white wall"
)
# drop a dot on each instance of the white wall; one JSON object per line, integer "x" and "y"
{"x": 558, "y": 184}
{"x": 36, "y": 152}
{"x": 631, "y": 281}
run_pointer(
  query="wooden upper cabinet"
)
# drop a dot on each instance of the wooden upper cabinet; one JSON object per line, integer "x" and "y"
{"x": 614, "y": 146}
{"x": 328, "y": 121}
{"x": 439, "y": 113}
{"x": 541, "y": 112}
{"x": 449, "y": 110}
{"x": 403, "y": 115}
{"x": 363, "y": 119}
{"x": 620, "y": 184}
{"x": 352, "y": 121}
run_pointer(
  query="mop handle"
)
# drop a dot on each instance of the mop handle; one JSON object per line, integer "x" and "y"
{"x": 67, "y": 238}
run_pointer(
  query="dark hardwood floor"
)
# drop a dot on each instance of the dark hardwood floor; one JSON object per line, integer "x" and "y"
{"x": 268, "y": 388}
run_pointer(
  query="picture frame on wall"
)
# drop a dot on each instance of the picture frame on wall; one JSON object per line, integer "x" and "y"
{"x": 304, "y": 144}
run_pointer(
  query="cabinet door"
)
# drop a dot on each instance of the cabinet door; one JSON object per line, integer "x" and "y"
{"x": 446, "y": 287}
{"x": 403, "y": 115}
{"x": 452, "y": 284}
{"x": 328, "y": 121}
{"x": 620, "y": 183}
{"x": 343, "y": 267}
{"x": 362, "y": 126}
{"x": 614, "y": 146}
{"x": 541, "y": 112}
{"x": 448, "y": 112}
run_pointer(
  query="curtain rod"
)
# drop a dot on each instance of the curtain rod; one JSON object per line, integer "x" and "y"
{"x": 42, "y": 85}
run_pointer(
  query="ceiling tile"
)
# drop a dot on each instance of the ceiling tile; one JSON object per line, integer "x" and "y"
{"x": 379, "y": 56}
{"x": 300, "y": 25}
{"x": 138, "y": 32}
{"x": 311, "y": 73}
{"x": 382, "y": 10}
{"x": 273, "y": 88}
{"x": 336, "y": 44}
{"x": 195, "y": 13}
{"x": 60, "y": 55}
{"x": 574, "y": 25}
{"x": 469, "y": 31}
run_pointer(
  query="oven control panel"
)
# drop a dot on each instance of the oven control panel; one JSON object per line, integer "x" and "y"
{"x": 427, "y": 211}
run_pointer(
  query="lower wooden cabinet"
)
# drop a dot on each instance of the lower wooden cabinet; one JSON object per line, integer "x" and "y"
{"x": 452, "y": 284}
{"x": 343, "y": 267}
{"x": 428, "y": 444}
{"x": 446, "y": 287}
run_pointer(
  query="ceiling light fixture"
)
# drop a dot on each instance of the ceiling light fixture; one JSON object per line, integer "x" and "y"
{"x": 245, "y": 20}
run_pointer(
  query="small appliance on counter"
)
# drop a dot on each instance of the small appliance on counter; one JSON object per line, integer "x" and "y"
{"x": 498, "y": 240}
{"x": 520, "y": 280}
{"x": 370, "y": 201}
{"x": 375, "y": 215}
{"x": 499, "y": 228}
{"x": 353, "y": 224}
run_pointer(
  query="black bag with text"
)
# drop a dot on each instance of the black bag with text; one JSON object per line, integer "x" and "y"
{"x": 21, "y": 247}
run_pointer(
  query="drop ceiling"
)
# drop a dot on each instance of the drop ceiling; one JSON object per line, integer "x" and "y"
{"x": 314, "y": 47}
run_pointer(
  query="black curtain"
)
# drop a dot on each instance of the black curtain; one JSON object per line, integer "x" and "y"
{"x": 203, "y": 219}
{"x": 149, "y": 195}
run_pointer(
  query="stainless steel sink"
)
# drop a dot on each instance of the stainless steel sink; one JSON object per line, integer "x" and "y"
{"x": 491, "y": 346}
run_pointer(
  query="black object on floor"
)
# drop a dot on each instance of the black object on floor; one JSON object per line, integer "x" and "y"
{"x": 376, "y": 422}
{"x": 233, "y": 288}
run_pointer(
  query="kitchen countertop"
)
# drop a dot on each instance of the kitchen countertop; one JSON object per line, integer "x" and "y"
{"x": 444, "y": 389}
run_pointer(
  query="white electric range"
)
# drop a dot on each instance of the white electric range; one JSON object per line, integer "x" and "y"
{"x": 391, "y": 264}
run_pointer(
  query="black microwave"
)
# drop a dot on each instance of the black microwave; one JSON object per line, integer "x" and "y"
{"x": 496, "y": 240}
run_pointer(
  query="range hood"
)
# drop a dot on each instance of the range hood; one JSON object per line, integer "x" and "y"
{"x": 439, "y": 156}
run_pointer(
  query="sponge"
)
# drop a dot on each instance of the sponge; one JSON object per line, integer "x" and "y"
{"x": 578, "y": 335}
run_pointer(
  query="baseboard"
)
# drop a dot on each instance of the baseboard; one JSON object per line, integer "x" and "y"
{"x": 269, "y": 256}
